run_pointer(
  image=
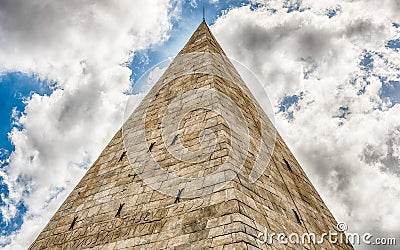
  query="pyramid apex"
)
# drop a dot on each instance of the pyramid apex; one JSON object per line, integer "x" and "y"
{"x": 202, "y": 40}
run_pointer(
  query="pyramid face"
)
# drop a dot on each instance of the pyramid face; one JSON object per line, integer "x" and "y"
{"x": 197, "y": 165}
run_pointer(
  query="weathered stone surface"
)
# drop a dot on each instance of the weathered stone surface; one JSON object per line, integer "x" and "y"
{"x": 227, "y": 213}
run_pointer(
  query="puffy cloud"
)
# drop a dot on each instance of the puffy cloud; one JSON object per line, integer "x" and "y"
{"x": 325, "y": 64}
{"x": 83, "y": 46}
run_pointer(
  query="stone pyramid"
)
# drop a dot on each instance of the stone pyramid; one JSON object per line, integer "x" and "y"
{"x": 197, "y": 165}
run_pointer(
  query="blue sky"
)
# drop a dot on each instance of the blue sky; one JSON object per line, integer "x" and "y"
{"x": 15, "y": 88}
{"x": 293, "y": 107}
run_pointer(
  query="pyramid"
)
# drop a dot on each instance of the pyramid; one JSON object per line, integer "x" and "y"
{"x": 197, "y": 165}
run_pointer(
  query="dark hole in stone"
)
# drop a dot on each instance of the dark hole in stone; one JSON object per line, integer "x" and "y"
{"x": 119, "y": 210}
{"x": 174, "y": 140}
{"x": 73, "y": 223}
{"x": 306, "y": 199}
{"x": 122, "y": 156}
{"x": 145, "y": 216}
{"x": 297, "y": 216}
{"x": 151, "y": 147}
{"x": 287, "y": 165}
{"x": 178, "y": 196}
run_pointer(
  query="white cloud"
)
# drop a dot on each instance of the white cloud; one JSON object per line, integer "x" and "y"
{"x": 193, "y": 3}
{"x": 83, "y": 47}
{"x": 344, "y": 135}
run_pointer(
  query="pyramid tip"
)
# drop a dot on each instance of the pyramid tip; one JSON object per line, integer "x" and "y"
{"x": 202, "y": 40}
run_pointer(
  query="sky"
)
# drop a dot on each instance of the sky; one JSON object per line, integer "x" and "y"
{"x": 331, "y": 70}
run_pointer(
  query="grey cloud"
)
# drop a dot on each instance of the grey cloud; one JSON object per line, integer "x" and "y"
{"x": 308, "y": 41}
{"x": 78, "y": 105}
{"x": 363, "y": 27}
{"x": 314, "y": 43}
{"x": 385, "y": 155}
{"x": 261, "y": 46}
{"x": 252, "y": 36}
{"x": 38, "y": 23}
